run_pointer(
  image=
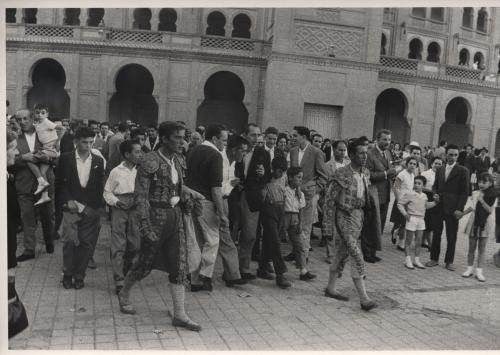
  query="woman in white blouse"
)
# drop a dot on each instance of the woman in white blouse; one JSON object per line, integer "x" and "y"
{"x": 430, "y": 175}
{"x": 402, "y": 184}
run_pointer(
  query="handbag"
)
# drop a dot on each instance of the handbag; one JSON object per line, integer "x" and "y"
{"x": 18, "y": 320}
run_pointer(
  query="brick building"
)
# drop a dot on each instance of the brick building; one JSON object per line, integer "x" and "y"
{"x": 425, "y": 73}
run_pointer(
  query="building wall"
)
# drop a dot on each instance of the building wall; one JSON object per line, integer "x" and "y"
{"x": 290, "y": 67}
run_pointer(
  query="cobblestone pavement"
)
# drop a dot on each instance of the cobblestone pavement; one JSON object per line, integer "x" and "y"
{"x": 428, "y": 309}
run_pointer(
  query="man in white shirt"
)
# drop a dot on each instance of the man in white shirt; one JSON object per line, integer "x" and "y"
{"x": 80, "y": 178}
{"x": 119, "y": 195}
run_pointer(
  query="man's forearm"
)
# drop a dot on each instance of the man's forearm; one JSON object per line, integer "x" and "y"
{"x": 217, "y": 199}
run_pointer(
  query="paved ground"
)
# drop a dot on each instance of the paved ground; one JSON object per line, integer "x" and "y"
{"x": 428, "y": 309}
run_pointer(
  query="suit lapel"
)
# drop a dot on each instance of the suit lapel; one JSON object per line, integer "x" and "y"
{"x": 305, "y": 157}
{"x": 453, "y": 172}
{"x": 22, "y": 144}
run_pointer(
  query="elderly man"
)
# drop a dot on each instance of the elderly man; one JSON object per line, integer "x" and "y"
{"x": 26, "y": 182}
{"x": 346, "y": 203}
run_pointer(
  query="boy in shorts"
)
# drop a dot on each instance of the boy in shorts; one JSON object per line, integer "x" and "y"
{"x": 47, "y": 135}
{"x": 412, "y": 205}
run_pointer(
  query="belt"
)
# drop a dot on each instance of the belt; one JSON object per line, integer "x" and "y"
{"x": 225, "y": 197}
{"x": 158, "y": 204}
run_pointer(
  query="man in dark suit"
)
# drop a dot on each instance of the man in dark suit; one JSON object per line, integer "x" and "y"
{"x": 99, "y": 143}
{"x": 327, "y": 149}
{"x": 381, "y": 174}
{"x": 452, "y": 187}
{"x": 483, "y": 162}
{"x": 26, "y": 183}
{"x": 469, "y": 159}
{"x": 256, "y": 174}
{"x": 312, "y": 161}
{"x": 80, "y": 177}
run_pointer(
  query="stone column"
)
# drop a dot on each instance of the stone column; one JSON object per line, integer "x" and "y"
{"x": 19, "y": 15}
{"x": 155, "y": 18}
{"x": 84, "y": 15}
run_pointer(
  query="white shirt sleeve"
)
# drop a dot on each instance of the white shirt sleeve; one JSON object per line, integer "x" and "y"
{"x": 111, "y": 183}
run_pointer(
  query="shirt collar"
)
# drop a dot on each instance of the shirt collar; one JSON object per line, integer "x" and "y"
{"x": 79, "y": 158}
{"x": 303, "y": 150}
{"x": 210, "y": 144}
{"x": 380, "y": 150}
{"x": 122, "y": 166}
{"x": 448, "y": 166}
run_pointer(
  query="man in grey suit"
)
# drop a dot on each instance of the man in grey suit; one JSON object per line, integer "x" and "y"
{"x": 312, "y": 162}
{"x": 381, "y": 174}
{"x": 117, "y": 138}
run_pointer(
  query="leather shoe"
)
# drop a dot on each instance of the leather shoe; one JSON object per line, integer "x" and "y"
{"x": 188, "y": 324}
{"x": 307, "y": 276}
{"x": 369, "y": 259}
{"x": 289, "y": 257}
{"x": 92, "y": 265}
{"x": 337, "y": 296}
{"x": 231, "y": 283}
{"x": 67, "y": 282}
{"x": 248, "y": 276}
{"x": 369, "y": 305}
{"x": 49, "y": 248}
{"x": 377, "y": 259}
{"x": 118, "y": 289}
{"x": 24, "y": 257}
{"x": 282, "y": 282}
{"x": 401, "y": 248}
{"x": 79, "y": 284}
{"x": 197, "y": 288}
{"x": 264, "y": 274}
{"x": 450, "y": 267}
{"x": 431, "y": 263}
{"x": 207, "y": 284}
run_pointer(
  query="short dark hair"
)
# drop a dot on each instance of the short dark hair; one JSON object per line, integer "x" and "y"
{"x": 451, "y": 146}
{"x": 137, "y": 132}
{"x": 421, "y": 178}
{"x": 442, "y": 143}
{"x": 303, "y": 131}
{"x": 167, "y": 128}
{"x": 383, "y": 131}
{"x": 283, "y": 135}
{"x": 214, "y": 130}
{"x": 271, "y": 130}
{"x": 407, "y": 161}
{"x": 250, "y": 125}
{"x": 152, "y": 125}
{"x": 127, "y": 146}
{"x": 335, "y": 144}
{"x": 414, "y": 147}
{"x": 84, "y": 132}
{"x": 122, "y": 127}
{"x": 436, "y": 158}
{"x": 469, "y": 145}
{"x": 326, "y": 140}
{"x": 293, "y": 171}
{"x": 235, "y": 141}
{"x": 484, "y": 148}
{"x": 353, "y": 145}
{"x": 41, "y": 106}
{"x": 91, "y": 122}
{"x": 485, "y": 177}
{"x": 104, "y": 124}
{"x": 316, "y": 135}
{"x": 279, "y": 162}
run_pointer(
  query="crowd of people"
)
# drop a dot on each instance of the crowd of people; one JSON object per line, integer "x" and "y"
{"x": 179, "y": 199}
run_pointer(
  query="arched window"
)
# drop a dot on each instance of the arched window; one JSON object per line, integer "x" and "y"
{"x": 419, "y": 12}
{"x": 142, "y": 17}
{"x": 482, "y": 20}
{"x": 216, "y": 22}
{"x": 478, "y": 61}
{"x": 433, "y": 52}
{"x": 467, "y": 17}
{"x": 241, "y": 26}
{"x": 383, "y": 43}
{"x": 168, "y": 19}
{"x": 463, "y": 57}
{"x": 71, "y": 17}
{"x": 10, "y": 15}
{"x": 96, "y": 15}
{"x": 415, "y": 49}
{"x": 29, "y": 15}
{"x": 437, "y": 13}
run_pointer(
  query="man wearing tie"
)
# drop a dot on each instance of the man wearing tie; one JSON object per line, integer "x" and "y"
{"x": 312, "y": 162}
{"x": 381, "y": 174}
{"x": 452, "y": 186}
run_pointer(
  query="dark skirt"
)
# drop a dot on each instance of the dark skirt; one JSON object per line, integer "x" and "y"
{"x": 396, "y": 216}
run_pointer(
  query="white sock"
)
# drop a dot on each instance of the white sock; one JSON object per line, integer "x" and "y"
{"x": 178, "y": 296}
